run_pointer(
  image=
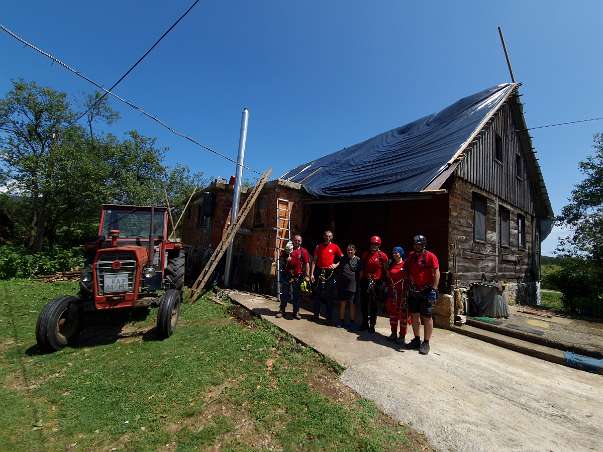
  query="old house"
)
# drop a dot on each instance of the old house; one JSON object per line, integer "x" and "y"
{"x": 467, "y": 177}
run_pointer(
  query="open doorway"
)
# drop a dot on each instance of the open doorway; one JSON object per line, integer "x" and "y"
{"x": 395, "y": 221}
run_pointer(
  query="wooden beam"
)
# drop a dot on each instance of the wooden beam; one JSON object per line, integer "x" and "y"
{"x": 231, "y": 231}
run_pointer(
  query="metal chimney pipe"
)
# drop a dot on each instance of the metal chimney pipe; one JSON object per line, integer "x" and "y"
{"x": 236, "y": 195}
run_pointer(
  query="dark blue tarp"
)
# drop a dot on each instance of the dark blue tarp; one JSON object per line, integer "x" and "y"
{"x": 405, "y": 159}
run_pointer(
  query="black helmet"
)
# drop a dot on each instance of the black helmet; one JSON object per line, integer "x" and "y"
{"x": 419, "y": 239}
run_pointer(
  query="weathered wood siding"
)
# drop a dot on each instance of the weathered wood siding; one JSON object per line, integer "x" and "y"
{"x": 499, "y": 178}
{"x": 499, "y": 183}
{"x": 469, "y": 259}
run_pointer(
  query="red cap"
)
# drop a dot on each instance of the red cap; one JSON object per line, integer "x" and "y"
{"x": 376, "y": 240}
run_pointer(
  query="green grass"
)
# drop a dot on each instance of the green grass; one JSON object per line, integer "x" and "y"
{"x": 551, "y": 299}
{"x": 217, "y": 382}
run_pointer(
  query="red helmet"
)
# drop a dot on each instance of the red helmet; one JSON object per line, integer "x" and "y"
{"x": 376, "y": 240}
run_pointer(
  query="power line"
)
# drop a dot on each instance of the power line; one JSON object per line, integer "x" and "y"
{"x": 139, "y": 60}
{"x": 562, "y": 124}
{"x": 121, "y": 99}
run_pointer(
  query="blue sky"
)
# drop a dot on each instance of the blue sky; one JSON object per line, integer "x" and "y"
{"x": 319, "y": 75}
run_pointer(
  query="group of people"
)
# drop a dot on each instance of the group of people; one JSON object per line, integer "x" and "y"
{"x": 407, "y": 285}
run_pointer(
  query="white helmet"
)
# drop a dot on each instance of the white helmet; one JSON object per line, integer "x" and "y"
{"x": 289, "y": 247}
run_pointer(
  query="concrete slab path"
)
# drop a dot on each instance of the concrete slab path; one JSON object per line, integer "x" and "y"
{"x": 466, "y": 395}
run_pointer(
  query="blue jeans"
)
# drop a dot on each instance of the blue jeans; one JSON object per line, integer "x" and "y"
{"x": 290, "y": 292}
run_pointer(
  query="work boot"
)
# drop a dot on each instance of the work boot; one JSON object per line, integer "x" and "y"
{"x": 279, "y": 314}
{"x": 424, "y": 348}
{"x": 393, "y": 337}
{"x": 296, "y": 316}
{"x": 415, "y": 344}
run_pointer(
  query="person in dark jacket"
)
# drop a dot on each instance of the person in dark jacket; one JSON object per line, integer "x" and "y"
{"x": 347, "y": 284}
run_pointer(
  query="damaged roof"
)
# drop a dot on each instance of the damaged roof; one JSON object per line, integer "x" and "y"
{"x": 406, "y": 159}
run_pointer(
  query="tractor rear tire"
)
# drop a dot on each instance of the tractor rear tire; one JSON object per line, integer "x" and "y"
{"x": 58, "y": 323}
{"x": 169, "y": 312}
{"x": 174, "y": 271}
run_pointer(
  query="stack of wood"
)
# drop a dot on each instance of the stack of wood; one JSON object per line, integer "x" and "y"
{"x": 71, "y": 275}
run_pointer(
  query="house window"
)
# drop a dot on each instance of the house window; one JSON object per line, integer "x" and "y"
{"x": 498, "y": 148}
{"x": 521, "y": 231}
{"x": 480, "y": 205}
{"x": 518, "y": 166}
{"x": 504, "y": 226}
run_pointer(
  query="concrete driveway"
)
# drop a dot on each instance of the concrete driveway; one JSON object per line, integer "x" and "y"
{"x": 466, "y": 395}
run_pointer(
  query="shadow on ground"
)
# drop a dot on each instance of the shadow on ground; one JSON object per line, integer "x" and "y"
{"x": 104, "y": 328}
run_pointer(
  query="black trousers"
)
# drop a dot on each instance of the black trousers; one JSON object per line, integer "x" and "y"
{"x": 370, "y": 298}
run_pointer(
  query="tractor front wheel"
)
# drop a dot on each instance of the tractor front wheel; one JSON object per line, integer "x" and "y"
{"x": 174, "y": 271}
{"x": 58, "y": 323}
{"x": 169, "y": 311}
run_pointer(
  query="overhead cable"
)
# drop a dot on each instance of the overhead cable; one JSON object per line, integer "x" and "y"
{"x": 562, "y": 124}
{"x": 121, "y": 99}
{"x": 139, "y": 60}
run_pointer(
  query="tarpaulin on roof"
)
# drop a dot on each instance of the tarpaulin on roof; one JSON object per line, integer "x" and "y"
{"x": 403, "y": 160}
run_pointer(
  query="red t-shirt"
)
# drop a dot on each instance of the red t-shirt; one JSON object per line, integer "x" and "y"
{"x": 420, "y": 267}
{"x": 296, "y": 261}
{"x": 325, "y": 254}
{"x": 372, "y": 263}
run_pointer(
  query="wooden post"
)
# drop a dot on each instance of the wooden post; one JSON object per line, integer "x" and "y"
{"x": 502, "y": 41}
{"x": 211, "y": 265}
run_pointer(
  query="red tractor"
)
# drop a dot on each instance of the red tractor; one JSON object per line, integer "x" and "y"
{"x": 132, "y": 264}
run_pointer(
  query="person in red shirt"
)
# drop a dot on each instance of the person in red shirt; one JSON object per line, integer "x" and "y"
{"x": 397, "y": 309}
{"x": 374, "y": 271}
{"x": 326, "y": 260}
{"x": 294, "y": 268}
{"x": 423, "y": 271}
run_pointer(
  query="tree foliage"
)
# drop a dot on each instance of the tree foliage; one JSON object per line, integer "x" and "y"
{"x": 57, "y": 173}
{"x": 584, "y": 213}
{"x": 580, "y": 277}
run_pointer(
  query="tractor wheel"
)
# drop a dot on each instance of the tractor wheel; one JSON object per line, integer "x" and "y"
{"x": 174, "y": 271}
{"x": 58, "y": 323}
{"x": 169, "y": 311}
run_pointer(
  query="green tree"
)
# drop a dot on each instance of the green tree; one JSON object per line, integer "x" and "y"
{"x": 580, "y": 277}
{"x": 57, "y": 173}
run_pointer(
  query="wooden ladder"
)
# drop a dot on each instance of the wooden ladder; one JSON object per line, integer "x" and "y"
{"x": 230, "y": 233}
{"x": 283, "y": 235}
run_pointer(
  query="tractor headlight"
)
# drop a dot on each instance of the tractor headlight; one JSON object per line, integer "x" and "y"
{"x": 148, "y": 272}
{"x": 86, "y": 277}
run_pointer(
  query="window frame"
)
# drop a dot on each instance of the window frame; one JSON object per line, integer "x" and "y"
{"x": 521, "y": 231}
{"x": 478, "y": 197}
{"x": 518, "y": 166}
{"x": 498, "y": 148}
{"x": 504, "y": 213}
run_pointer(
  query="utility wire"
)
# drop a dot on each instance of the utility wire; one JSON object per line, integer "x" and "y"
{"x": 121, "y": 99}
{"x": 562, "y": 124}
{"x": 139, "y": 60}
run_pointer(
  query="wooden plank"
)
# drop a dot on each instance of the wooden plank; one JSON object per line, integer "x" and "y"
{"x": 211, "y": 265}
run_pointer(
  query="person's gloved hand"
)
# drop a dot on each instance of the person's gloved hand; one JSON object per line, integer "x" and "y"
{"x": 431, "y": 293}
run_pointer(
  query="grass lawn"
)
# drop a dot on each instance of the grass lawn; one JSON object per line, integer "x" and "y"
{"x": 551, "y": 299}
{"x": 218, "y": 382}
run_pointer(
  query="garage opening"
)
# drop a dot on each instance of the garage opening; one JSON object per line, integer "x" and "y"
{"x": 395, "y": 220}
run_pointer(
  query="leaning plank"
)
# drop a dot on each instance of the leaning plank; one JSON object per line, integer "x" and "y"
{"x": 227, "y": 238}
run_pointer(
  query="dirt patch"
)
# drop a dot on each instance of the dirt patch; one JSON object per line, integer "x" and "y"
{"x": 325, "y": 381}
{"x": 244, "y": 430}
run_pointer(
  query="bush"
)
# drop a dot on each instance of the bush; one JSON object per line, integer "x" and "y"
{"x": 17, "y": 262}
{"x": 581, "y": 283}
{"x": 548, "y": 273}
